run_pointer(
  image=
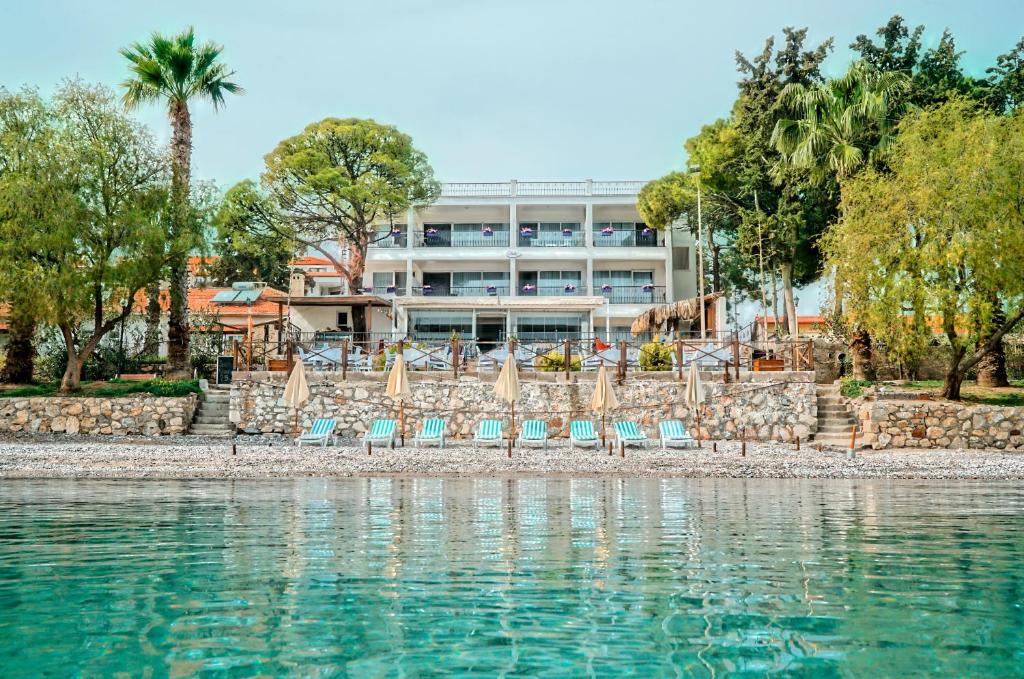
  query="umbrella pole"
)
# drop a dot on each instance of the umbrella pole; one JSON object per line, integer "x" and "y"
{"x": 401, "y": 422}
{"x": 512, "y": 434}
{"x": 295, "y": 423}
{"x": 698, "y": 426}
{"x": 603, "y": 437}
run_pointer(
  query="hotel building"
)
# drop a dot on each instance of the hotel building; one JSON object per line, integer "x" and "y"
{"x": 534, "y": 260}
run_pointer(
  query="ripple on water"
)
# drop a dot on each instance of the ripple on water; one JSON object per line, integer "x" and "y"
{"x": 405, "y": 577}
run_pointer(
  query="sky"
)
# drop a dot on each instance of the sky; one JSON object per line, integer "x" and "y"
{"x": 490, "y": 90}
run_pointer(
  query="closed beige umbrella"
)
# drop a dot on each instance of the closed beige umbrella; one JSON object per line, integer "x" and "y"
{"x": 507, "y": 387}
{"x": 695, "y": 394}
{"x": 296, "y": 392}
{"x": 399, "y": 391}
{"x": 604, "y": 397}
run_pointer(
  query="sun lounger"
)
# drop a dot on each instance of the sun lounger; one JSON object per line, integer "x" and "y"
{"x": 488, "y": 433}
{"x": 673, "y": 434}
{"x": 581, "y": 434}
{"x": 382, "y": 432}
{"x": 533, "y": 433}
{"x": 320, "y": 432}
{"x": 432, "y": 432}
{"x": 630, "y": 434}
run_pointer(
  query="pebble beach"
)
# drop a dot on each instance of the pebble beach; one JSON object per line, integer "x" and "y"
{"x": 256, "y": 458}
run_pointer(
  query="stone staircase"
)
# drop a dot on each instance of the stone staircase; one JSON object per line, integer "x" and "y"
{"x": 834, "y": 419}
{"x": 211, "y": 418}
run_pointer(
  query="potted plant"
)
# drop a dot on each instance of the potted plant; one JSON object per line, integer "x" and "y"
{"x": 607, "y": 231}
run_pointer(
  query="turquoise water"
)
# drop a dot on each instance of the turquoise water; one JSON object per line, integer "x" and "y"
{"x": 409, "y": 578}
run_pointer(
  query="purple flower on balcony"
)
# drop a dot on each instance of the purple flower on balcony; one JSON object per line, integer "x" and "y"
{"x": 491, "y": 289}
{"x": 567, "y": 233}
{"x": 396, "y": 232}
{"x": 606, "y": 288}
{"x": 607, "y": 231}
{"x": 648, "y": 287}
{"x": 427, "y": 289}
{"x": 529, "y": 287}
{"x": 570, "y": 288}
{"x": 487, "y": 231}
{"x": 526, "y": 231}
{"x": 391, "y": 289}
{"x": 647, "y": 231}
{"x": 431, "y": 232}
{"x": 368, "y": 289}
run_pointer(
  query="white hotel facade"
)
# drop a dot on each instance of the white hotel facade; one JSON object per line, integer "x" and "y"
{"x": 534, "y": 260}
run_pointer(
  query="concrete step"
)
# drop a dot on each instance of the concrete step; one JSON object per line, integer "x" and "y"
{"x": 838, "y": 429}
{"x": 214, "y": 408}
{"x": 208, "y": 419}
{"x": 825, "y": 411}
{"x": 216, "y": 399}
{"x": 212, "y": 430}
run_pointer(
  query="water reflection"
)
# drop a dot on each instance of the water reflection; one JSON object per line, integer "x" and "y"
{"x": 387, "y": 576}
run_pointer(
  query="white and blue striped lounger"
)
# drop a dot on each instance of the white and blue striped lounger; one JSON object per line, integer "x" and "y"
{"x": 630, "y": 434}
{"x": 488, "y": 433}
{"x": 674, "y": 434}
{"x": 382, "y": 432}
{"x": 534, "y": 432}
{"x": 432, "y": 432}
{"x": 320, "y": 432}
{"x": 581, "y": 433}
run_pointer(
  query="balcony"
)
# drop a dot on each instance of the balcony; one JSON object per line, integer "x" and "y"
{"x": 485, "y": 237}
{"x": 570, "y": 289}
{"x": 631, "y": 236}
{"x": 388, "y": 240}
{"x": 567, "y": 236}
{"x": 556, "y": 189}
{"x": 631, "y": 294}
{"x": 382, "y": 290}
{"x": 461, "y": 291}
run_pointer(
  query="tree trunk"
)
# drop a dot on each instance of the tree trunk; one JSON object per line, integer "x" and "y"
{"x": 992, "y": 366}
{"x": 838, "y": 289}
{"x": 181, "y": 172}
{"x": 72, "y": 379}
{"x": 775, "y": 301}
{"x": 954, "y": 376}
{"x": 786, "y": 269}
{"x": 860, "y": 352}
{"x": 177, "y": 322}
{"x": 19, "y": 363}
{"x": 151, "y": 340}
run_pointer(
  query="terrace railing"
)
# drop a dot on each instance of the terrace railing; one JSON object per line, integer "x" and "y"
{"x": 461, "y": 291}
{"x": 612, "y": 237}
{"x": 556, "y": 189}
{"x": 498, "y": 238}
{"x": 632, "y": 294}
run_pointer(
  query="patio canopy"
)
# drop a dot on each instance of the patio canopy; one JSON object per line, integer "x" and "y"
{"x": 671, "y": 314}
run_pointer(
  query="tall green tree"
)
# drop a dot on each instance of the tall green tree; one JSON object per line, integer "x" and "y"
{"x": 784, "y": 211}
{"x": 941, "y": 233}
{"x": 24, "y": 133}
{"x": 333, "y": 181}
{"x": 837, "y": 128}
{"x": 246, "y": 248}
{"x": 176, "y": 71}
{"x": 85, "y": 225}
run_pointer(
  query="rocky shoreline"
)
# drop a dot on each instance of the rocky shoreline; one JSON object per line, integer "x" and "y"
{"x": 258, "y": 458}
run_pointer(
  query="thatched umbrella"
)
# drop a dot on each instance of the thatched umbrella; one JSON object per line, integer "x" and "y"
{"x": 604, "y": 397}
{"x": 296, "y": 393}
{"x": 671, "y": 314}
{"x": 399, "y": 391}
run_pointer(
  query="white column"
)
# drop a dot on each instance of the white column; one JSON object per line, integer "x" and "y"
{"x": 513, "y": 242}
{"x": 408, "y": 276}
{"x": 472, "y": 330}
{"x": 588, "y": 225}
{"x": 410, "y": 228}
{"x": 513, "y": 285}
{"x": 670, "y": 275}
{"x": 509, "y": 329}
{"x": 589, "y": 283}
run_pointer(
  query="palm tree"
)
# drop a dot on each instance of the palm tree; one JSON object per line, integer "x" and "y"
{"x": 837, "y": 128}
{"x": 177, "y": 71}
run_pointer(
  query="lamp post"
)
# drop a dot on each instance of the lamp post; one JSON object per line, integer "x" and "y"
{"x": 700, "y": 255}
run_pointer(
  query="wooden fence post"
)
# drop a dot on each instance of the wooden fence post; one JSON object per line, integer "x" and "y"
{"x": 568, "y": 361}
{"x": 344, "y": 359}
{"x": 736, "y": 355}
{"x": 234, "y": 354}
{"x": 455, "y": 357}
{"x": 290, "y": 355}
{"x": 679, "y": 358}
{"x": 810, "y": 354}
{"x": 622, "y": 361}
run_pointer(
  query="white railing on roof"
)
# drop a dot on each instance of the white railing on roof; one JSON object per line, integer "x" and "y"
{"x": 561, "y": 189}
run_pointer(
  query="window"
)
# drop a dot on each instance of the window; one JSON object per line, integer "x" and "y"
{"x": 681, "y": 258}
{"x": 439, "y": 325}
{"x": 343, "y": 321}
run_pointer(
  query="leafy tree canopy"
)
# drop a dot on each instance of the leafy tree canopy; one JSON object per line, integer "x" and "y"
{"x": 246, "y": 248}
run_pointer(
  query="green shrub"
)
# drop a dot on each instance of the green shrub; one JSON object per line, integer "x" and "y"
{"x": 656, "y": 356}
{"x": 113, "y": 388}
{"x": 554, "y": 361}
{"x": 29, "y": 390}
{"x": 851, "y": 388}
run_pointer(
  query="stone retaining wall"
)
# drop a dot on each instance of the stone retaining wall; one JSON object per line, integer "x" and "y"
{"x": 939, "y": 424}
{"x": 134, "y": 414}
{"x": 776, "y": 406}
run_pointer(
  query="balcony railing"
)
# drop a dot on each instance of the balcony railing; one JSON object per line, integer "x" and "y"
{"x": 385, "y": 290}
{"x": 558, "y": 189}
{"x": 551, "y": 240}
{"x": 631, "y": 294}
{"x": 608, "y": 237}
{"x": 461, "y": 291}
{"x": 387, "y": 240}
{"x": 446, "y": 239}
{"x": 570, "y": 289}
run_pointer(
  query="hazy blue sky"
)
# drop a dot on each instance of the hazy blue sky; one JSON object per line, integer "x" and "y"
{"x": 490, "y": 90}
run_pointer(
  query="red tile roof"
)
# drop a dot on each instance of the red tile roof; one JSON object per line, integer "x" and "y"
{"x": 310, "y": 261}
{"x": 199, "y": 299}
